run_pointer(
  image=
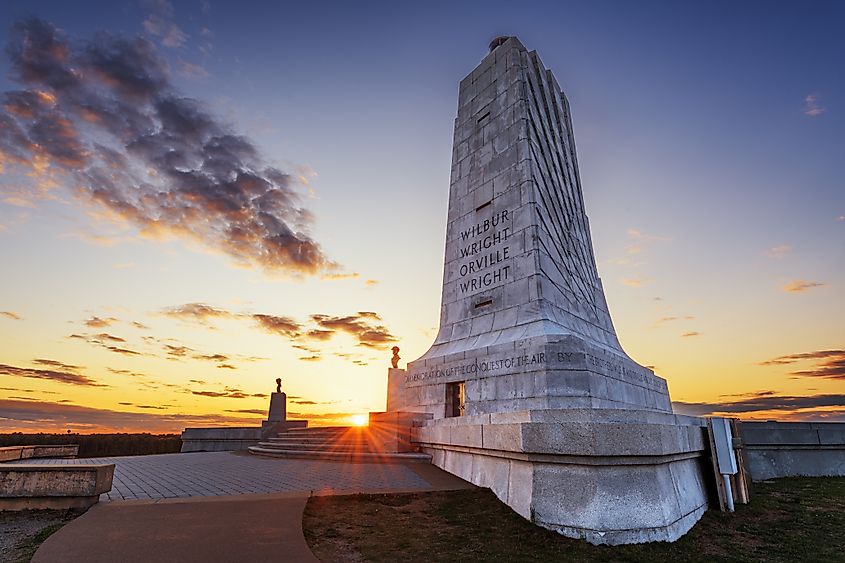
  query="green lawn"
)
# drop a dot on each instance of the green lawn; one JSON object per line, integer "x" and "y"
{"x": 796, "y": 519}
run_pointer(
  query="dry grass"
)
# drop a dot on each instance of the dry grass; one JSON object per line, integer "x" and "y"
{"x": 801, "y": 519}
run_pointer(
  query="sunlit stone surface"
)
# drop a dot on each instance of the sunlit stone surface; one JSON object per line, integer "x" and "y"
{"x": 526, "y": 386}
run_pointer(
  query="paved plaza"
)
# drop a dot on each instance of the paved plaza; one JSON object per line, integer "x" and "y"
{"x": 205, "y": 474}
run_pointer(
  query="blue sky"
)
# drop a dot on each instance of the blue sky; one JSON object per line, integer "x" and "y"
{"x": 710, "y": 139}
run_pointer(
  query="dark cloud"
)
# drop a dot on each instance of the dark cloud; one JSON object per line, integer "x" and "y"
{"x": 317, "y": 334}
{"x": 829, "y": 364}
{"x": 105, "y": 114}
{"x": 282, "y": 326}
{"x": 140, "y": 325}
{"x": 368, "y": 334}
{"x": 229, "y": 393}
{"x": 226, "y": 366}
{"x": 691, "y": 334}
{"x": 71, "y": 377}
{"x": 103, "y": 340}
{"x": 55, "y": 364}
{"x": 246, "y": 411}
{"x": 97, "y": 322}
{"x": 10, "y": 314}
{"x": 45, "y": 416}
{"x": 764, "y": 401}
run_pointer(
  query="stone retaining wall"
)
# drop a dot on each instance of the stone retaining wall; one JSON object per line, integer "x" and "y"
{"x": 16, "y": 453}
{"x": 791, "y": 449}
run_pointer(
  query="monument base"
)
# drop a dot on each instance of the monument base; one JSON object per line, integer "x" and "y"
{"x": 607, "y": 476}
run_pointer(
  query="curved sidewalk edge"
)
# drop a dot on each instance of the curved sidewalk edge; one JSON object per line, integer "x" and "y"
{"x": 265, "y": 527}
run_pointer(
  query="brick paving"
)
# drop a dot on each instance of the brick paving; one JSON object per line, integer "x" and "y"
{"x": 205, "y": 474}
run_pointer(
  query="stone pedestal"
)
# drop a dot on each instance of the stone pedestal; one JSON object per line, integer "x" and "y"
{"x": 278, "y": 407}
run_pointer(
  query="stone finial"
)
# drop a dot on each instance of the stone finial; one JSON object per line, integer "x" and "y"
{"x": 395, "y": 359}
{"x": 278, "y": 385}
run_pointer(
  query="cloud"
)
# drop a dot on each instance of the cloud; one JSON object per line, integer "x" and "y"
{"x": 341, "y": 276}
{"x": 196, "y": 311}
{"x": 800, "y": 286}
{"x": 841, "y": 218}
{"x": 764, "y": 403}
{"x": 97, "y": 322}
{"x": 191, "y": 70}
{"x": 247, "y": 411}
{"x": 778, "y": 252}
{"x": 103, "y": 116}
{"x": 812, "y": 107}
{"x": 641, "y": 241}
{"x": 56, "y": 364}
{"x": 161, "y": 24}
{"x": 42, "y": 416}
{"x": 11, "y": 315}
{"x": 368, "y": 333}
{"x": 69, "y": 376}
{"x": 635, "y": 282}
{"x": 228, "y": 393}
{"x": 371, "y": 283}
{"x": 103, "y": 340}
{"x": 282, "y": 326}
{"x": 690, "y": 334}
{"x": 315, "y": 358}
{"x": 829, "y": 364}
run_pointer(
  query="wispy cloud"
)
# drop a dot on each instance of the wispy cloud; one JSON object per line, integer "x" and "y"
{"x": 812, "y": 105}
{"x": 104, "y": 117}
{"x": 161, "y": 24}
{"x": 829, "y": 364}
{"x": 70, "y": 374}
{"x": 640, "y": 241}
{"x": 690, "y": 334}
{"x": 800, "y": 286}
{"x": 107, "y": 341}
{"x": 778, "y": 252}
{"x": 807, "y": 407}
{"x": 97, "y": 322}
{"x": 635, "y": 282}
{"x": 11, "y": 315}
{"x": 366, "y": 326}
{"x": 46, "y": 416}
{"x": 283, "y": 326}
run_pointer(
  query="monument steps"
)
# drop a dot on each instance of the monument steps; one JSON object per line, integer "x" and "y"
{"x": 355, "y": 444}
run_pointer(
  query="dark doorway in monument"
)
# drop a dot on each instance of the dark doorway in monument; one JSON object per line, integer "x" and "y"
{"x": 455, "y": 398}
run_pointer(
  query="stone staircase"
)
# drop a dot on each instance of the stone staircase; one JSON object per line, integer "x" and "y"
{"x": 334, "y": 443}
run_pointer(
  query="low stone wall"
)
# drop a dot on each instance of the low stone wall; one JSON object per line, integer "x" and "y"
{"x": 232, "y": 438}
{"x": 53, "y": 486}
{"x": 791, "y": 449}
{"x": 16, "y": 453}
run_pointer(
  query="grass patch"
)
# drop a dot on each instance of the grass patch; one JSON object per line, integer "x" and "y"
{"x": 794, "y": 519}
{"x": 22, "y": 532}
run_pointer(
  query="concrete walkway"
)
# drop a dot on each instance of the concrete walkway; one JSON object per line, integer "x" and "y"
{"x": 234, "y": 473}
{"x": 232, "y": 528}
{"x": 202, "y": 506}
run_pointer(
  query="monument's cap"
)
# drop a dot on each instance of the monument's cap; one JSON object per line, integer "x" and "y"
{"x": 498, "y": 41}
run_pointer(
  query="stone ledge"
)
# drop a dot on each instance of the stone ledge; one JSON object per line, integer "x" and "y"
{"x": 53, "y": 486}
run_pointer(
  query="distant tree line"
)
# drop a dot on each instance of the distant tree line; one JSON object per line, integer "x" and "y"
{"x": 101, "y": 445}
